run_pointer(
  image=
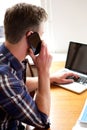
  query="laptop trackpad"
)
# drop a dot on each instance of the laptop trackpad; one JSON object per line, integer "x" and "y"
{"x": 75, "y": 87}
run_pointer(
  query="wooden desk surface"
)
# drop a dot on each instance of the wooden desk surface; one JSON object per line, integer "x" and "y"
{"x": 66, "y": 106}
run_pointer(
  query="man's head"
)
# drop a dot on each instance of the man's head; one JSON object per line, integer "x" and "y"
{"x": 22, "y": 18}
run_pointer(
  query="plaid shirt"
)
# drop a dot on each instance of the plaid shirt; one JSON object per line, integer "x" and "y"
{"x": 16, "y": 104}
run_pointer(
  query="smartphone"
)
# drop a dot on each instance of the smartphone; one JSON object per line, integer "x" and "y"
{"x": 34, "y": 42}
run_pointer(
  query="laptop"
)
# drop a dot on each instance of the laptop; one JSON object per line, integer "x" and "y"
{"x": 76, "y": 62}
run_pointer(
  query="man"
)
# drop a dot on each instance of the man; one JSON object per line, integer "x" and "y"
{"x": 16, "y": 104}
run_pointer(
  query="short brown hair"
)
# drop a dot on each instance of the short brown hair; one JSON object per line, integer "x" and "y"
{"x": 21, "y": 18}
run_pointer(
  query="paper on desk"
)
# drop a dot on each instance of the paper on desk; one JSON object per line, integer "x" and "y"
{"x": 83, "y": 115}
{"x": 81, "y": 124}
{"x": 78, "y": 127}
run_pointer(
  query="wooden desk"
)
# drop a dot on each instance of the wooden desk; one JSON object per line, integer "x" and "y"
{"x": 66, "y": 106}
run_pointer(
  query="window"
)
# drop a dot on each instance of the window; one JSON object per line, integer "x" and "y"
{"x": 48, "y": 36}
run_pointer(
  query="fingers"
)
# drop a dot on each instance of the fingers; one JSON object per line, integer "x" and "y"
{"x": 43, "y": 48}
{"x": 70, "y": 77}
{"x": 31, "y": 54}
{"x": 44, "y": 53}
{"x": 43, "y": 59}
{"x": 64, "y": 78}
{"x": 65, "y": 81}
{"x": 67, "y": 74}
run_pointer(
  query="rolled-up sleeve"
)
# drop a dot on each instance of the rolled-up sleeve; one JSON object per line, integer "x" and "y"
{"x": 18, "y": 104}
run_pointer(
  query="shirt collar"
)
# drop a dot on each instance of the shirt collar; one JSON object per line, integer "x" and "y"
{"x": 10, "y": 57}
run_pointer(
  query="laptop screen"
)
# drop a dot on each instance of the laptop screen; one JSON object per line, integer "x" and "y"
{"x": 77, "y": 57}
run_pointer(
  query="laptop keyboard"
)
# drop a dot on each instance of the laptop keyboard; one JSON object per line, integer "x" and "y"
{"x": 82, "y": 80}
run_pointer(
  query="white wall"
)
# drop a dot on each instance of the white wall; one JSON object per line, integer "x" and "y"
{"x": 69, "y": 22}
{"x": 4, "y": 4}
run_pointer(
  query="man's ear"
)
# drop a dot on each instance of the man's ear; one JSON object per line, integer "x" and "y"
{"x": 29, "y": 33}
